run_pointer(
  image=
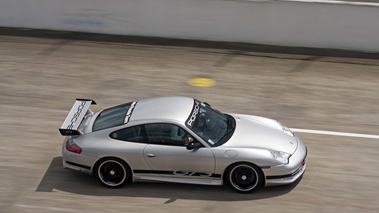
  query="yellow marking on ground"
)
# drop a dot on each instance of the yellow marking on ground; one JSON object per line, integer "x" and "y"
{"x": 202, "y": 82}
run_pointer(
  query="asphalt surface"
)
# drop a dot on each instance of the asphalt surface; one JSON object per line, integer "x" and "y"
{"x": 40, "y": 79}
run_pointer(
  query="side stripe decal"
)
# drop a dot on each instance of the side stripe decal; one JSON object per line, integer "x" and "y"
{"x": 177, "y": 173}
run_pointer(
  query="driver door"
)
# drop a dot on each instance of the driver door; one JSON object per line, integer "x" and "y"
{"x": 167, "y": 153}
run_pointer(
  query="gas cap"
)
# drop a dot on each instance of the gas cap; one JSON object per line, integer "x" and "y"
{"x": 231, "y": 153}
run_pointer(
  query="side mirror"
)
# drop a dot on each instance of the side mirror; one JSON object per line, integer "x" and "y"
{"x": 206, "y": 104}
{"x": 193, "y": 145}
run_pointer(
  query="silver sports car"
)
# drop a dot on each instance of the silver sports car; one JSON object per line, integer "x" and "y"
{"x": 181, "y": 140}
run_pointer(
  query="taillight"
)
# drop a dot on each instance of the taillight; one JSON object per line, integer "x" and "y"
{"x": 303, "y": 162}
{"x": 72, "y": 147}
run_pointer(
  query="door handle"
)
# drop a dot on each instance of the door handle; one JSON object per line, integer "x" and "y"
{"x": 150, "y": 155}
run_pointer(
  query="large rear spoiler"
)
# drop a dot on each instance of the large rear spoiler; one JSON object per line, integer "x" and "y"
{"x": 71, "y": 125}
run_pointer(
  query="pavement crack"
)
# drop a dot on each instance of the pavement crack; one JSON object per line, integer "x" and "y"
{"x": 171, "y": 200}
{"x": 225, "y": 59}
{"x": 305, "y": 63}
{"x": 54, "y": 47}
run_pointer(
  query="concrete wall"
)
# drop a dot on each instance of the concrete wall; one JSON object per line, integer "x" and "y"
{"x": 338, "y": 25}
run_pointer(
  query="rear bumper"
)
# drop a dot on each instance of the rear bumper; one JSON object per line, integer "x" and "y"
{"x": 77, "y": 162}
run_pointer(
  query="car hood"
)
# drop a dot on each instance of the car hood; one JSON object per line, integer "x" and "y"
{"x": 262, "y": 133}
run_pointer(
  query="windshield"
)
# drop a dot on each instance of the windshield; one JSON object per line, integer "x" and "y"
{"x": 209, "y": 124}
{"x": 114, "y": 116}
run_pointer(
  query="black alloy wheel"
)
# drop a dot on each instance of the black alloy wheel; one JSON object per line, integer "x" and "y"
{"x": 244, "y": 178}
{"x": 113, "y": 173}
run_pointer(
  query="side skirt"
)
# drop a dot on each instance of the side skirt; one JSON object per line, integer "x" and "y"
{"x": 194, "y": 180}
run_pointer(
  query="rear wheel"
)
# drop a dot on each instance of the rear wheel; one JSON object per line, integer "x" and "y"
{"x": 244, "y": 177}
{"x": 112, "y": 172}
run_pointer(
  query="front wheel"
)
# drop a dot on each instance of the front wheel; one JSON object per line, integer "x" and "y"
{"x": 244, "y": 178}
{"x": 112, "y": 172}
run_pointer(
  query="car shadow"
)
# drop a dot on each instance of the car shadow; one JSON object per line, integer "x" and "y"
{"x": 57, "y": 178}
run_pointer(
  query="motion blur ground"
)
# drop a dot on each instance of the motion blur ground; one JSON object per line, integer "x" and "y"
{"x": 40, "y": 78}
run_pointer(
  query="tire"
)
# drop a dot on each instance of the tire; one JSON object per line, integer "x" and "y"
{"x": 112, "y": 172}
{"x": 244, "y": 177}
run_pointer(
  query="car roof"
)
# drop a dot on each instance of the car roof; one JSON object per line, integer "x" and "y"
{"x": 163, "y": 108}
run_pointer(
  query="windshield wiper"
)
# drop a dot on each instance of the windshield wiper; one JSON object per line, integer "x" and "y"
{"x": 231, "y": 128}
{"x": 227, "y": 133}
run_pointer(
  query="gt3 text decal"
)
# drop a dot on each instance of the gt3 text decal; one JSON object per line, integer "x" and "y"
{"x": 192, "y": 173}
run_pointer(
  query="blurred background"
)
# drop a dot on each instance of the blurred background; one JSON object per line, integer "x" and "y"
{"x": 312, "y": 65}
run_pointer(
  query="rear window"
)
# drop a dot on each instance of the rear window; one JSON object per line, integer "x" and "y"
{"x": 114, "y": 116}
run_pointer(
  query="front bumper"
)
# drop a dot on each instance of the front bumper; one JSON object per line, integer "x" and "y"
{"x": 285, "y": 179}
{"x": 288, "y": 173}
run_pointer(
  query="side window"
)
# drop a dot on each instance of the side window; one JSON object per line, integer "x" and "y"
{"x": 167, "y": 134}
{"x": 132, "y": 134}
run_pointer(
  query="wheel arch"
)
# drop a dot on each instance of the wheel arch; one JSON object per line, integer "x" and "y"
{"x": 94, "y": 170}
{"x": 259, "y": 169}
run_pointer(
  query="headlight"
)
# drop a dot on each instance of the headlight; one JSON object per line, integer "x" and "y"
{"x": 286, "y": 129}
{"x": 282, "y": 157}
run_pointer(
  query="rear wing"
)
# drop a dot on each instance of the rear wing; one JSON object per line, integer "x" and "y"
{"x": 71, "y": 125}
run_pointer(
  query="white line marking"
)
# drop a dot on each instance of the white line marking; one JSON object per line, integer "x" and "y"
{"x": 373, "y": 4}
{"x": 49, "y": 208}
{"x": 345, "y": 134}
